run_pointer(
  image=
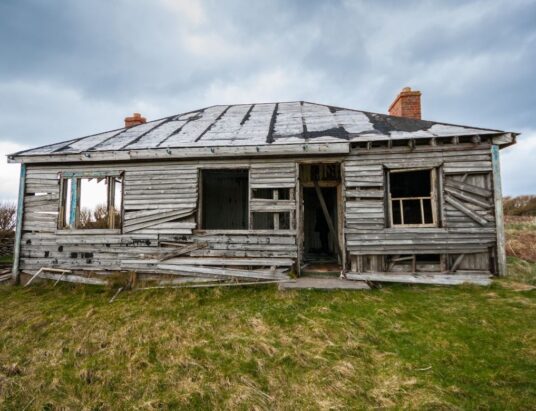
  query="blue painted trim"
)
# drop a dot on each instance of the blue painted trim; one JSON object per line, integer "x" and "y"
{"x": 18, "y": 233}
{"x": 495, "y": 158}
{"x": 74, "y": 201}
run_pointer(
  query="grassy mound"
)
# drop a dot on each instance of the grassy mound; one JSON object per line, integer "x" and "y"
{"x": 258, "y": 348}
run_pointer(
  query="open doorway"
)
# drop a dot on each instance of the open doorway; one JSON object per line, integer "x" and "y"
{"x": 319, "y": 243}
{"x": 320, "y": 222}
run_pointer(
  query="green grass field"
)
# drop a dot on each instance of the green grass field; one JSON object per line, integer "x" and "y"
{"x": 416, "y": 347}
{"x": 6, "y": 259}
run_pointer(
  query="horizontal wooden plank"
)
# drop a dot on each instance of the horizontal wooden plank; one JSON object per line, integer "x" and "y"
{"x": 422, "y": 278}
{"x": 230, "y": 261}
{"x": 224, "y": 272}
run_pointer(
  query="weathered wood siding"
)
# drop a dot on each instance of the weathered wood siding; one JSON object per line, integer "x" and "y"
{"x": 157, "y": 196}
{"x": 161, "y": 202}
{"x": 464, "y": 184}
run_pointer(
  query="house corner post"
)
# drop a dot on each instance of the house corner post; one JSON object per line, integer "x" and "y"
{"x": 499, "y": 213}
{"x": 18, "y": 232}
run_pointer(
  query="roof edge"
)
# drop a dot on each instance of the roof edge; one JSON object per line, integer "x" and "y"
{"x": 502, "y": 140}
{"x": 187, "y": 153}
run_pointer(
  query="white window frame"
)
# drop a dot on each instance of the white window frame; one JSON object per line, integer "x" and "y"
{"x": 433, "y": 197}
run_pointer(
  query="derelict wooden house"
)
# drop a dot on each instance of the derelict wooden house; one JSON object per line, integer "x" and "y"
{"x": 252, "y": 191}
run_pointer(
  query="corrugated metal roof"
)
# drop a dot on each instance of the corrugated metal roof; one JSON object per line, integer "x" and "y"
{"x": 257, "y": 125}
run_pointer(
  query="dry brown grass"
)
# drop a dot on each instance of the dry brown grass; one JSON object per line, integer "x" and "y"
{"x": 521, "y": 237}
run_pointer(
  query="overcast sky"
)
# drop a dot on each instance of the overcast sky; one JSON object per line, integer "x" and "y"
{"x": 72, "y": 68}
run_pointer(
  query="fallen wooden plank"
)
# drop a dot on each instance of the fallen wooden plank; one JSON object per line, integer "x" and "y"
{"x": 228, "y": 284}
{"x": 223, "y": 272}
{"x": 5, "y": 277}
{"x": 435, "y": 279}
{"x": 43, "y": 270}
{"x": 187, "y": 280}
{"x": 73, "y": 279}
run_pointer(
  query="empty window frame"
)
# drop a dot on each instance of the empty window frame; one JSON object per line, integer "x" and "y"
{"x": 91, "y": 201}
{"x": 412, "y": 198}
{"x": 271, "y": 193}
{"x": 271, "y": 221}
{"x": 276, "y": 212}
{"x": 224, "y": 199}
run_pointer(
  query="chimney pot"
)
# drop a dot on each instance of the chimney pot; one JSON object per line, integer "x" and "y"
{"x": 407, "y": 104}
{"x": 135, "y": 120}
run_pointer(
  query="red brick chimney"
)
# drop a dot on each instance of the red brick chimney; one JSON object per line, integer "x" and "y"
{"x": 135, "y": 120}
{"x": 407, "y": 104}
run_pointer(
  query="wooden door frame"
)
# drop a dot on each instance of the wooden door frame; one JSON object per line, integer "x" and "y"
{"x": 300, "y": 209}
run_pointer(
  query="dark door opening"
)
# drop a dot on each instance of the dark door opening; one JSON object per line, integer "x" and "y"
{"x": 319, "y": 243}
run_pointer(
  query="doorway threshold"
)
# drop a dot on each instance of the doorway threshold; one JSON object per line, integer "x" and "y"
{"x": 325, "y": 269}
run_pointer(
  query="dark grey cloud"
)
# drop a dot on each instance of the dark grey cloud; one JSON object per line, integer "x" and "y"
{"x": 71, "y": 68}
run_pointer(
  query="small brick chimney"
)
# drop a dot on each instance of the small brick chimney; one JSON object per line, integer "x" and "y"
{"x": 135, "y": 120}
{"x": 407, "y": 104}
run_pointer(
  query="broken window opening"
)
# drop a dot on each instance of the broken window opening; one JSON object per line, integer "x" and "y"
{"x": 428, "y": 258}
{"x": 412, "y": 263}
{"x": 224, "y": 199}
{"x": 91, "y": 202}
{"x": 271, "y": 193}
{"x": 412, "y": 198}
{"x": 269, "y": 221}
{"x": 329, "y": 172}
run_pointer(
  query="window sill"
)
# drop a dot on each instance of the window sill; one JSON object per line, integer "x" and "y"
{"x": 89, "y": 231}
{"x": 430, "y": 228}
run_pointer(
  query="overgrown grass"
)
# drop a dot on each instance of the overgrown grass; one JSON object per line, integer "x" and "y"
{"x": 521, "y": 238}
{"x": 6, "y": 259}
{"x": 258, "y": 348}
